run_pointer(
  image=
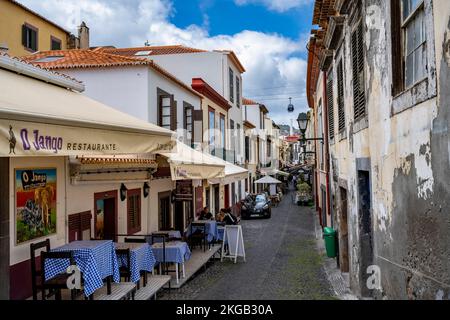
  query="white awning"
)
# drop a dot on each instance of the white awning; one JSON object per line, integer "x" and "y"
{"x": 268, "y": 180}
{"x": 189, "y": 164}
{"x": 37, "y": 118}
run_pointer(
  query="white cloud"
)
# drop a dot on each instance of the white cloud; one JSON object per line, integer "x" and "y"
{"x": 274, "y": 70}
{"x": 276, "y": 5}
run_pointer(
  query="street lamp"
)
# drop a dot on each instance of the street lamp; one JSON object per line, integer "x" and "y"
{"x": 303, "y": 122}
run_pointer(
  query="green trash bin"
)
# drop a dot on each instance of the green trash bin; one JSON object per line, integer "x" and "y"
{"x": 329, "y": 235}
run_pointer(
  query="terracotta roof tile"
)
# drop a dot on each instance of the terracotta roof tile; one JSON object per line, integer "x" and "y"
{"x": 151, "y": 50}
{"x": 86, "y": 58}
{"x": 21, "y": 60}
{"x": 249, "y": 102}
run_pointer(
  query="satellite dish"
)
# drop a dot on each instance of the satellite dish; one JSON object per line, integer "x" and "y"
{"x": 291, "y": 107}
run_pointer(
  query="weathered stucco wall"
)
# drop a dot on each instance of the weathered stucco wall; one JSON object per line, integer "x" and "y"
{"x": 409, "y": 161}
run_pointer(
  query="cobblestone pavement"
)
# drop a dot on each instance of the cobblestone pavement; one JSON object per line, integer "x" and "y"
{"x": 283, "y": 263}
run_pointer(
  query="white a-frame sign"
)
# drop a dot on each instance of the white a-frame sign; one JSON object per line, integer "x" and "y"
{"x": 235, "y": 240}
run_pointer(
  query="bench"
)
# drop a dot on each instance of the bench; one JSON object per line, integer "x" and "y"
{"x": 119, "y": 291}
{"x": 154, "y": 285}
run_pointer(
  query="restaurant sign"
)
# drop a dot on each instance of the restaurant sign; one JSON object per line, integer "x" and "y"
{"x": 184, "y": 191}
{"x": 34, "y": 139}
{"x": 35, "y": 192}
{"x": 196, "y": 172}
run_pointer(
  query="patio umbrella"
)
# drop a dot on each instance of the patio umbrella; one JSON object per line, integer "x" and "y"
{"x": 268, "y": 180}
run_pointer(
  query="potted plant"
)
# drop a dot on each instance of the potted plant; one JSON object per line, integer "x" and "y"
{"x": 303, "y": 194}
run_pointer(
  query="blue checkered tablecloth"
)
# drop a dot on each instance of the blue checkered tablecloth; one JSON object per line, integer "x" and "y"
{"x": 211, "y": 230}
{"x": 141, "y": 258}
{"x": 176, "y": 252}
{"x": 96, "y": 260}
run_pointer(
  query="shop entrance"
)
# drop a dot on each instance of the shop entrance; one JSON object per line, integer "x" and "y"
{"x": 216, "y": 199}
{"x": 343, "y": 232}
{"x": 165, "y": 222}
{"x": 105, "y": 217}
{"x": 227, "y": 196}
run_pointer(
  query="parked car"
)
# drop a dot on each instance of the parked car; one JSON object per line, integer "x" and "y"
{"x": 258, "y": 207}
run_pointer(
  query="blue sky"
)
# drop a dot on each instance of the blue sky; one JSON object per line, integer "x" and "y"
{"x": 220, "y": 13}
{"x": 269, "y": 36}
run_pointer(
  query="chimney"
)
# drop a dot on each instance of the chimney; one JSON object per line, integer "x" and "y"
{"x": 83, "y": 35}
{"x": 4, "y": 48}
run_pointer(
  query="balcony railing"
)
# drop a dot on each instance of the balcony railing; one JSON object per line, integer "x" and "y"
{"x": 227, "y": 155}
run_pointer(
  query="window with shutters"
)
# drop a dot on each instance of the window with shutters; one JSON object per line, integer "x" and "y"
{"x": 30, "y": 37}
{"x": 357, "y": 45}
{"x": 211, "y": 127}
{"x": 188, "y": 123}
{"x": 167, "y": 110}
{"x": 340, "y": 97}
{"x": 231, "y": 81}
{"x": 134, "y": 211}
{"x": 247, "y": 149}
{"x": 413, "y": 58}
{"x": 222, "y": 131}
{"x": 238, "y": 92}
{"x": 330, "y": 104}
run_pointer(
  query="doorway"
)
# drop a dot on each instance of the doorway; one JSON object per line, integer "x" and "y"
{"x": 344, "y": 258}
{"x": 324, "y": 206}
{"x": 106, "y": 215}
{"x": 227, "y": 196}
{"x": 165, "y": 221}
{"x": 179, "y": 216}
{"x": 365, "y": 227}
{"x": 216, "y": 199}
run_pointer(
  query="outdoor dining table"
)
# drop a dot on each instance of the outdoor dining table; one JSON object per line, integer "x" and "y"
{"x": 141, "y": 258}
{"x": 211, "y": 229}
{"x": 175, "y": 252}
{"x": 96, "y": 260}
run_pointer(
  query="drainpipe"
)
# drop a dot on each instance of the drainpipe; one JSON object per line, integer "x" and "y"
{"x": 326, "y": 141}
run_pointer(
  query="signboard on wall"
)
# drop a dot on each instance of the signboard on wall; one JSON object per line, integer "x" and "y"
{"x": 35, "y": 205}
{"x": 184, "y": 191}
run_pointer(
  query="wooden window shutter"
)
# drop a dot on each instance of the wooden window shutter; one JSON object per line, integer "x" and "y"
{"x": 173, "y": 114}
{"x": 359, "y": 99}
{"x": 74, "y": 227}
{"x": 397, "y": 48}
{"x": 24, "y": 36}
{"x": 340, "y": 96}
{"x": 330, "y": 104}
{"x": 134, "y": 211}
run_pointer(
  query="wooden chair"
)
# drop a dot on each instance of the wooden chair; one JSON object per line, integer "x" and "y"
{"x": 144, "y": 274}
{"x": 58, "y": 282}
{"x": 125, "y": 271}
{"x": 198, "y": 237}
{"x": 36, "y": 274}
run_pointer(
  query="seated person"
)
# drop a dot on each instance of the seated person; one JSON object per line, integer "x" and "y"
{"x": 220, "y": 216}
{"x": 230, "y": 219}
{"x": 205, "y": 214}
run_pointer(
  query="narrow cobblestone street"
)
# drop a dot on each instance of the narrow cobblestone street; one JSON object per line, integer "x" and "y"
{"x": 282, "y": 263}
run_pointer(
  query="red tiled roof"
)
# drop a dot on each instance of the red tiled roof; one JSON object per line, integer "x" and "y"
{"x": 249, "y": 102}
{"x": 152, "y": 50}
{"x": 164, "y": 50}
{"x": 21, "y": 60}
{"x": 86, "y": 58}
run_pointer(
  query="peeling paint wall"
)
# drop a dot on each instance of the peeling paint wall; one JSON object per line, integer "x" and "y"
{"x": 408, "y": 146}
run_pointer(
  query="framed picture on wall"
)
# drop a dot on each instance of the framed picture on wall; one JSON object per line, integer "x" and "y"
{"x": 35, "y": 205}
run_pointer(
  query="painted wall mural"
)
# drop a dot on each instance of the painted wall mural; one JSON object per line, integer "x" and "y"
{"x": 35, "y": 203}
